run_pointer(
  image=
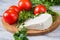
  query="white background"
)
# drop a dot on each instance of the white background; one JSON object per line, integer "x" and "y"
{"x": 4, "y": 35}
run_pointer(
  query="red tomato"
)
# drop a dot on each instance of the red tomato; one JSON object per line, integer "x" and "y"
{"x": 40, "y": 8}
{"x": 10, "y": 16}
{"x": 15, "y": 8}
{"x": 24, "y": 5}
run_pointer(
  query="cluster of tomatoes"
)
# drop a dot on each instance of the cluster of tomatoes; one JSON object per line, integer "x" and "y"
{"x": 11, "y": 15}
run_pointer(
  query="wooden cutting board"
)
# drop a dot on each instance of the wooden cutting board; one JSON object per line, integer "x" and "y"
{"x": 12, "y": 28}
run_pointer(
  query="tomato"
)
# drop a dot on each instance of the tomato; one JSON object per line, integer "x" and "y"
{"x": 24, "y": 5}
{"x": 13, "y": 7}
{"x": 40, "y": 8}
{"x": 10, "y": 16}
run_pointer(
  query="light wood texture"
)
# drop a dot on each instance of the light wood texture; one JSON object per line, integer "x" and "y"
{"x": 12, "y": 28}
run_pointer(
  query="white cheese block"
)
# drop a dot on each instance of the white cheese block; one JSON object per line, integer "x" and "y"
{"x": 41, "y": 22}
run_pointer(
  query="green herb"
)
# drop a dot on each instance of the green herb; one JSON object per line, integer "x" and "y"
{"x": 21, "y": 35}
{"x": 51, "y": 2}
{"x": 54, "y": 14}
{"x": 24, "y": 15}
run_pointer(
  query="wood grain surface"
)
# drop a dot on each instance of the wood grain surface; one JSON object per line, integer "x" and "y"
{"x": 12, "y": 28}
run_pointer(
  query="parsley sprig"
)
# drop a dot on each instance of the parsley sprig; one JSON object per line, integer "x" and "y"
{"x": 21, "y": 35}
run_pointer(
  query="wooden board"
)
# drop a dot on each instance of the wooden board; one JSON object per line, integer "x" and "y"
{"x": 12, "y": 28}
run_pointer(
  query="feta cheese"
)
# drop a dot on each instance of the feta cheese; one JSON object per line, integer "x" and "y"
{"x": 41, "y": 22}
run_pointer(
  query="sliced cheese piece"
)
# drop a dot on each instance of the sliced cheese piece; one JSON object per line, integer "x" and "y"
{"x": 41, "y": 22}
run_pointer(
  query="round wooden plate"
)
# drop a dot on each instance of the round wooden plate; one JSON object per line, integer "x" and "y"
{"x": 12, "y": 28}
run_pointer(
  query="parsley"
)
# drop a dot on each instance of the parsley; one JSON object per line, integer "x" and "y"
{"x": 21, "y": 35}
{"x": 24, "y": 15}
{"x": 54, "y": 14}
